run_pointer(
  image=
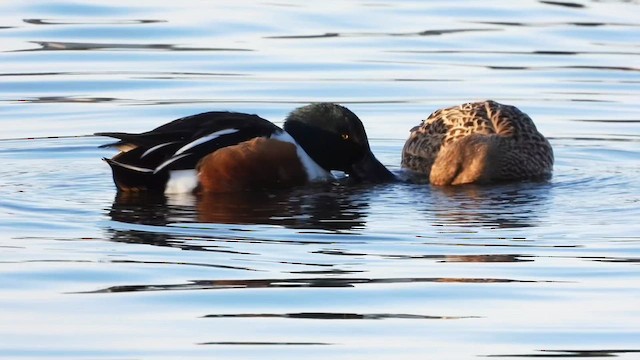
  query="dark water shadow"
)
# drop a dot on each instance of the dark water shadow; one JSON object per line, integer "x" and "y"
{"x": 175, "y": 221}
{"x": 555, "y": 23}
{"x": 500, "y": 206}
{"x": 567, "y": 4}
{"x": 435, "y": 32}
{"x": 179, "y": 263}
{"x": 132, "y": 74}
{"x": 66, "y": 99}
{"x": 571, "y": 354}
{"x": 515, "y": 52}
{"x": 517, "y": 68}
{"x": 331, "y": 207}
{"x": 233, "y": 284}
{"x": 90, "y": 22}
{"x": 191, "y": 101}
{"x": 79, "y": 46}
{"x": 339, "y": 316}
{"x": 479, "y": 258}
{"x": 265, "y": 343}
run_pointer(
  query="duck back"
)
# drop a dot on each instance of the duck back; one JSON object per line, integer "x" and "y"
{"x": 480, "y": 142}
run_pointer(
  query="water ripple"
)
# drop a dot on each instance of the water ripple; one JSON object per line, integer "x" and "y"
{"x": 297, "y": 283}
{"x": 564, "y": 4}
{"x": 340, "y": 316}
{"x": 264, "y": 343}
{"x": 572, "y": 353}
{"x": 89, "y": 22}
{"x": 78, "y": 46}
{"x": 378, "y": 34}
{"x": 556, "y": 24}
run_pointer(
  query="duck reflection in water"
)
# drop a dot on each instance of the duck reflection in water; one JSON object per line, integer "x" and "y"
{"x": 332, "y": 208}
{"x": 513, "y": 205}
{"x": 327, "y": 207}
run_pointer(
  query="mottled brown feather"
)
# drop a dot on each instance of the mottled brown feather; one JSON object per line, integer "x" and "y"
{"x": 479, "y": 142}
{"x": 256, "y": 164}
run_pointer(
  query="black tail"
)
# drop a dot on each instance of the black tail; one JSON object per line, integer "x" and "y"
{"x": 132, "y": 178}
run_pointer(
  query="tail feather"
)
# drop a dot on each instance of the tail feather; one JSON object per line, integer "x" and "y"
{"x": 133, "y": 178}
{"x": 125, "y": 141}
{"x": 147, "y": 139}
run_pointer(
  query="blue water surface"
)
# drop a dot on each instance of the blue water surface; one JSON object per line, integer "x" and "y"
{"x": 393, "y": 271}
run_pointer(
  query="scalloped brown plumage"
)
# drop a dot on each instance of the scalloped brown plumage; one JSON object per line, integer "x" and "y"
{"x": 479, "y": 142}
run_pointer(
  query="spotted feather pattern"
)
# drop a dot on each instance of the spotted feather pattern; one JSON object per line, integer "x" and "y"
{"x": 522, "y": 152}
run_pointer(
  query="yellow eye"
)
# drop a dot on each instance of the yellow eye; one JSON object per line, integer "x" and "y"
{"x": 345, "y": 136}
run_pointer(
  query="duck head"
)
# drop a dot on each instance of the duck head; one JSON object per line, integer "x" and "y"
{"x": 334, "y": 137}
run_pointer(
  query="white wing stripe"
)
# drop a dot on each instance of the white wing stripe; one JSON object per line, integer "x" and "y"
{"x": 168, "y": 162}
{"x": 150, "y": 150}
{"x": 205, "y": 139}
{"x": 134, "y": 168}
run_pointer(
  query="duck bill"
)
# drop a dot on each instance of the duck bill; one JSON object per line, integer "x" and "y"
{"x": 369, "y": 169}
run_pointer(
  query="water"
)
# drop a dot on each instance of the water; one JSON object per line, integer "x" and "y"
{"x": 394, "y": 271}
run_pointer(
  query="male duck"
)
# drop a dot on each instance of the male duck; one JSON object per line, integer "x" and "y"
{"x": 229, "y": 151}
{"x": 481, "y": 142}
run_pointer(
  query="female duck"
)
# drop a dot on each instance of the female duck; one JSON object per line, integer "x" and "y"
{"x": 229, "y": 151}
{"x": 481, "y": 142}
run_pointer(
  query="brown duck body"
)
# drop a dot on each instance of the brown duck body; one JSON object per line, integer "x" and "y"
{"x": 480, "y": 142}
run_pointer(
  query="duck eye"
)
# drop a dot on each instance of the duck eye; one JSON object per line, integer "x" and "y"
{"x": 344, "y": 136}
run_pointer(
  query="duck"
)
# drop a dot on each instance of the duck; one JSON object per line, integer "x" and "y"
{"x": 223, "y": 151}
{"x": 477, "y": 143}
